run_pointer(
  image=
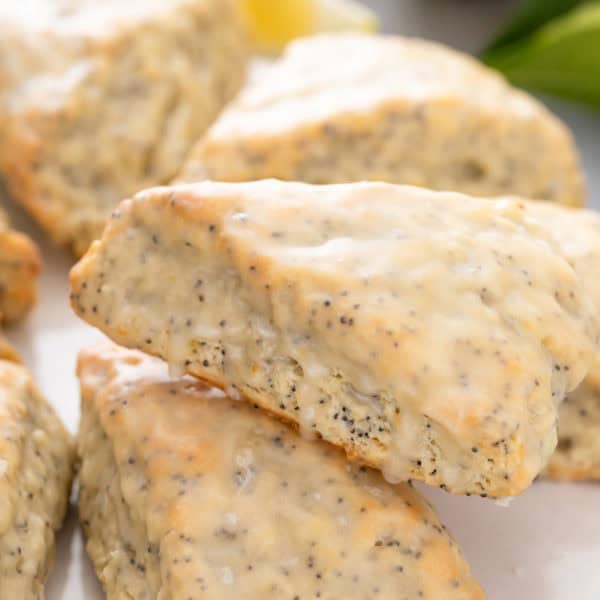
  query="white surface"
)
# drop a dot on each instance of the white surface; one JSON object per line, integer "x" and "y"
{"x": 544, "y": 546}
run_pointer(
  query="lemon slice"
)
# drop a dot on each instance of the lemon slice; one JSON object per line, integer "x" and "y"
{"x": 273, "y": 23}
{"x": 344, "y": 15}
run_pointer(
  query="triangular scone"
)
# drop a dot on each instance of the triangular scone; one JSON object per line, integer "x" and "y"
{"x": 343, "y": 108}
{"x": 185, "y": 493}
{"x": 432, "y": 335}
{"x": 578, "y": 452}
{"x": 19, "y": 268}
{"x": 36, "y": 467}
{"x": 101, "y": 99}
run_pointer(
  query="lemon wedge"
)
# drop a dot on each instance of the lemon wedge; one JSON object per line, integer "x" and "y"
{"x": 345, "y": 15}
{"x": 273, "y": 23}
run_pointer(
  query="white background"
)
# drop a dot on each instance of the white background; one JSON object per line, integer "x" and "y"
{"x": 544, "y": 546}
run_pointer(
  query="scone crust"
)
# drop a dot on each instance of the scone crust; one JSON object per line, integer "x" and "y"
{"x": 340, "y": 108}
{"x": 7, "y": 351}
{"x": 317, "y": 302}
{"x": 36, "y": 467}
{"x": 108, "y": 99}
{"x": 186, "y": 493}
{"x": 19, "y": 268}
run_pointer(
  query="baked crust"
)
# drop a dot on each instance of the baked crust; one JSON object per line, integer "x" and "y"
{"x": 36, "y": 467}
{"x": 186, "y": 493}
{"x": 431, "y": 335}
{"x": 341, "y": 108}
{"x": 19, "y": 268}
{"x": 107, "y": 98}
{"x": 7, "y": 352}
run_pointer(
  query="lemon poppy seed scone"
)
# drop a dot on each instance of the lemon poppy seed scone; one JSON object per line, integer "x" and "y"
{"x": 36, "y": 465}
{"x": 102, "y": 99}
{"x": 347, "y": 107}
{"x": 185, "y": 493}
{"x": 430, "y": 334}
{"x": 578, "y": 453}
{"x": 19, "y": 268}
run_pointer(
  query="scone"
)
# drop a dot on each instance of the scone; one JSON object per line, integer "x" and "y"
{"x": 185, "y": 493}
{"x": 432, "y": 335}
{"x": 19, "y": 268}
{"x": 578, "y": 453}
{"x": 101, "y": 99}
{"x": 343, "y": 108}
{"x": 36, "y": 464}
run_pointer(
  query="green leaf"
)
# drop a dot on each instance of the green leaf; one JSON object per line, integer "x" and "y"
{"x": 531, "y": 15}
{"x": 561, "y": 58}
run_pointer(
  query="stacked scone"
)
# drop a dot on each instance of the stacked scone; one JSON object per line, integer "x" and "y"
{"x": 427, "y": 335}
{"x": 186, "y": 493}
{"x": 430, "y": 335}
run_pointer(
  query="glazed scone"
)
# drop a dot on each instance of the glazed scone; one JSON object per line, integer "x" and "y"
{"x": 342, "y": 108}
{"x": 36, "y": 466}
{"x": 19, "y": 269}
{"x": 432, "y": 335}
{"x": 185, "y": 493}
{"x": 578, "y": 453}
{"x": 102, "y": 99}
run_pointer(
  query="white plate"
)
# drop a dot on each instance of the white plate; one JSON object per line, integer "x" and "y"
{"x": 544, "y": 546}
